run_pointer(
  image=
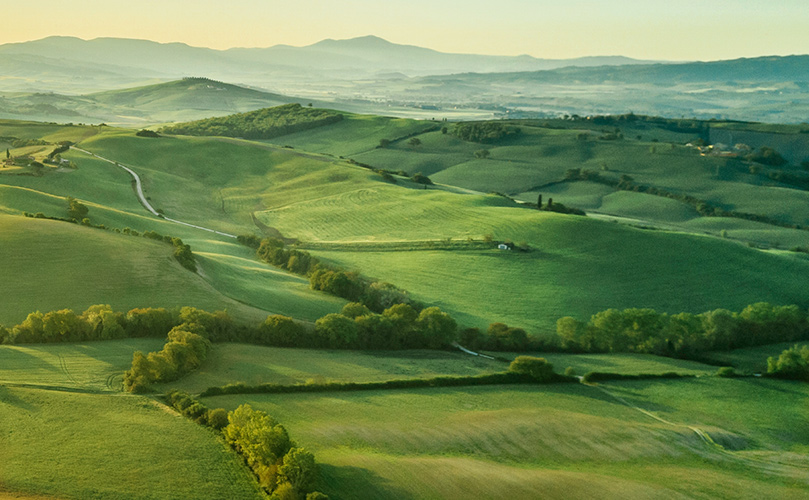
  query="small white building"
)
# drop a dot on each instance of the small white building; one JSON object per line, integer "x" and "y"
{"x": 503, "y": 246}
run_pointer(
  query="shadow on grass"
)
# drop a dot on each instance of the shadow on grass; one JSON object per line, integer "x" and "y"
{"x": 7, "y": 397}
{"x": 347, "y": 482}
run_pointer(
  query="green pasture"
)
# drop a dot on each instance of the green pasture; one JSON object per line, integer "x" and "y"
{"x": 627, "y": 364}
{"x": 111, "y": 446}
{"x": 50, "y": 265}
{"x": 96, "y": 366}
{"x": 495, "y": 442}
{"x": 577, "y": 267}
{"x": 354, "y": 134}
{"x": 744, "y": 413}
{"x": 253, "y": 365}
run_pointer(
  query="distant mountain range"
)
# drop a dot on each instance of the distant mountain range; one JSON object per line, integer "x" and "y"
{"x": 86, "y": 65}
{"x": 369, "y": 74}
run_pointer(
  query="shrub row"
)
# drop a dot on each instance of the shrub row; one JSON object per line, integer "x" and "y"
{"x": 376, "y": 295}
{"x": 264, "y": 444}
{"x": 524, "y": 370}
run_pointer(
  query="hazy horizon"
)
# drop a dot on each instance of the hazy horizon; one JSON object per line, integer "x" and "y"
{"x": 652, "y": 29}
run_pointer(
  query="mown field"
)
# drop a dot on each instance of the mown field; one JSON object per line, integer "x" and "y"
{"x": 496, "y": 442}
{"x": 76, "y": 445}
{"x": 96, "y": 366}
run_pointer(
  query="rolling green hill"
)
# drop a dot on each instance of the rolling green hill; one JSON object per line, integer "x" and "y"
{"x": 577, "y": 266}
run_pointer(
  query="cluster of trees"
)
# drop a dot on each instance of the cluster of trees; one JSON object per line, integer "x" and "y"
{"x": 260, "y": 124}
{"x": 147, "y": 133}
{"x": 706, "y": 209}
{"x": 281, "y": 467}
{"x": 767, "y": 156}
{"x": 484, "y": 132}
{"x": 684, "y": 334}
{"x": 792, "y": 364}
{"x": 421, "y": 179}
{"x": 185, "y": 349}
{"x": 76, "y": 210}
{"x": 397, "y": 327}
{"x": 376, "y": 295}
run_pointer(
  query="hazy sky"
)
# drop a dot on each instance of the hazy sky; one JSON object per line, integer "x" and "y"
{"x": 646, "y": 29}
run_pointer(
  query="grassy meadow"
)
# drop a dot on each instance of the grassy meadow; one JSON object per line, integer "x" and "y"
{"x": 495, "y": 442}
{"x": 50, "y": 265}
{"x": 94, "y": 366}
{"x": 110, "y": 446}
{"x": 253, "y": 365}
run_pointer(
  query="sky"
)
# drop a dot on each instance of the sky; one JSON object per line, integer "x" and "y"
{"x": 557, "y": 29}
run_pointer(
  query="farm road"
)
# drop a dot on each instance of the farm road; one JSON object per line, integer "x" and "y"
{"x": 142, "y": 197}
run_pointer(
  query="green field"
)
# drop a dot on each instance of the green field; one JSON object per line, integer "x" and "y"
{"x": 229, "y": 363}
{"x": 52, "y": 265}
{"x": 629, "y": 364}
{"x": 576, "y": 267}
{"x": 496, "y": 442}
{"x": 96, "y": 366}
{"x": 110, "y": 446}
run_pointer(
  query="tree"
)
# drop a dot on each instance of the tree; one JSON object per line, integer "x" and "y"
{"x": 383, "y": 143}
{"x": 218, "y": 418}
{"x": 482, "y": 154}
{"x": 298, "y": 469}
{"x": 354, "y": 309}
{"x": 414, "y": 141}
{"x": 539, "y": 368}
{"x": 444, "y": 131}
{"x": 539, "y": 201}
{"x": 437, "y": 327}
{"x": 8, "y": 154}
{"x": 76, "y": 209}
{"x": 336, "y": 330}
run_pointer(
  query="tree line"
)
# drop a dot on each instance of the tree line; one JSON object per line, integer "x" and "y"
{"x": 282, "y": 468}
{"x": 264, "y": 123}
{"x": 484, "y": 132}
{"x": 683, "y": 335}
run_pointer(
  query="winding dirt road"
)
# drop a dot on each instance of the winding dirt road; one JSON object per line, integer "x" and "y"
{"x": 142, "y": 198}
